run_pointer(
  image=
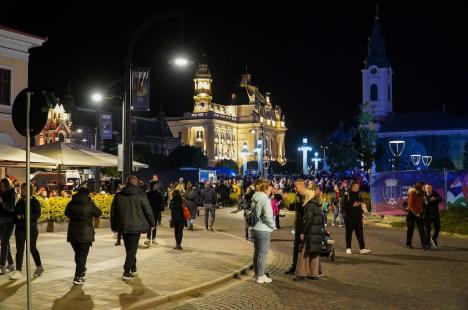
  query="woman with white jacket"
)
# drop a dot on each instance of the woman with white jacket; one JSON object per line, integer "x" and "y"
{"x": 262, "y": 230}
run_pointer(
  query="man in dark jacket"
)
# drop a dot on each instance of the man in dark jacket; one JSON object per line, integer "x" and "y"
{"x": 155, "y": 199}
{"x": 431, "y": 214}
{"x": 300, "y": 188}
{"x": 208, "y": 198}
{"x": 131, "y": 215}
{"x": 81, "y": 210}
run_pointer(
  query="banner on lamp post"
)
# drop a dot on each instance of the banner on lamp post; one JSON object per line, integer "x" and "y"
{"x": 106, "y": 126}
{"x": 140, "y": 89}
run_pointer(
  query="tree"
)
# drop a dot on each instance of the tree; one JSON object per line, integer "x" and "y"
{"x": 275, "y": 167}
{"x": 366, "y": 137}
{"x": 342, "y": 157}
{"x": 465, "y": 156}
{"x": 187, "y": 156}
{"x": 229, "y": 164}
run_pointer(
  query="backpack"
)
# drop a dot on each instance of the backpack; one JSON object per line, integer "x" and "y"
{"x": 185, "y": 210}
{"x": 251, "y": 216}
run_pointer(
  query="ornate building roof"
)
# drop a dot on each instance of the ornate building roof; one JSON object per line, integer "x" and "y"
{"x": 376, "y": 54}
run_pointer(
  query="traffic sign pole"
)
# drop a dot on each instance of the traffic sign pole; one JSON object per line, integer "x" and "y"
{"x": 28, "y": 201}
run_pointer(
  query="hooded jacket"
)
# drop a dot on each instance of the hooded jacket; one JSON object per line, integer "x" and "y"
{"x": 131, "y": 212}
{"x": 81, "y": 210}
{"x": 312, "y": 227}
{"x": 262, "y": 204}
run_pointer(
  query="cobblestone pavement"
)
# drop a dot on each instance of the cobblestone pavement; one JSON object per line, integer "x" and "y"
{"x": 162, "y": 270}
{"x": 392, "y": 277}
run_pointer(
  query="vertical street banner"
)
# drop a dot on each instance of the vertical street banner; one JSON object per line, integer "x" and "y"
{"x": 106, "y": 126}
{"x": 390, "y": 189}
{"x": 457, "y": 189}
{"x": 140, "y": 89}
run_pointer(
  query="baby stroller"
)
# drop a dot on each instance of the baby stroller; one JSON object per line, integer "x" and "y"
{"x": 327, "y": 249}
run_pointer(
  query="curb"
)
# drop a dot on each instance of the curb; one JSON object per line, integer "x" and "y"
{"x": 442, "y": 233}
{"x": 190, "y": 291}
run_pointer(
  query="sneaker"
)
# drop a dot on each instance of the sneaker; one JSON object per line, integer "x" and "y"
{"x": 11, "y": 268}
{"x": 147, "y": 242}
{"x": 16, "y": 275}
{"x": 78, "y": 281}
{"x": 134, "y": 272}
{"x": 433, "y": 243}
{"x": 290, "y": 272}
{"x": 127, "y": 276}
{"x": 155, "y": 242}
{"x": 364, "y": 251}
{"x": 326, "y": 225}
{"x": 2, "y": 269}
{"x": 341, "y": 226}
{"x": 211, "y": 228}
{"x": 263, "y": 279}
{"x": 348, "y": 251}
{"x": 39, "y": 271}
{"x": 83, "y": 274}
{"x": 333, "y": 224}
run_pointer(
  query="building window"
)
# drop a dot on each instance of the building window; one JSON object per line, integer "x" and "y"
{"x": 5, "y": 86}
{"x": 180, "y": 135}
{"x": 373, "y": 93}
{"x": 389, "y": 94}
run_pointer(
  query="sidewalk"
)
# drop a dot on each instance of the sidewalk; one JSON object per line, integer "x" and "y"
{"x": 162, "y": 271}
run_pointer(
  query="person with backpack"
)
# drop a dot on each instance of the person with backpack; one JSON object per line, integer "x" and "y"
{"x": 352, "y": 206}
{"x": 81, "y": 210}
{"x": 155, "y": 199}
{"x": 178, "y": 219}
{"x": 7, "y": 208}
{"x": 262, "y": 226}
{"x": 192, "y": 199}
{"x": 20, "y": 233}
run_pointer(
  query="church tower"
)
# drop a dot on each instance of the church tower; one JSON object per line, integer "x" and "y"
{"x": 377, "y": 75}
{"x": 202, "y": 95}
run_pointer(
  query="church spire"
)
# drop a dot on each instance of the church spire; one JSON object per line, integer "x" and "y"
{"x": 376, "y": 54}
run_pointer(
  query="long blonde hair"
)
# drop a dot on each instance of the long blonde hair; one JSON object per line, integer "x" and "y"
{"x": 261, "y": 185}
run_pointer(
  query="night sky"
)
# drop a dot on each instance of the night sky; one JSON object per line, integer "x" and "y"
{"x": 309, "y": 58}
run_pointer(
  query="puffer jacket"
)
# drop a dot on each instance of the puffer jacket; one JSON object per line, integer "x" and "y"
{"x": 313, "y": 228}
{"x": 262, "y": 204}
{"x": 131, "y": 212}
{"x": 81, "y": 210}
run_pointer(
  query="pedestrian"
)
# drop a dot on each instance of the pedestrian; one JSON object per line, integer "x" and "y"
{"x": 415, "y": 215}
{"x": 274, "y": 209}
{"x": 131, "y": 215}
{"x": 209, "y": 199}
{"x": 325, "y": 207}
{"x": 352, "y": 205}
{"x": 300, "y": 187}
{"x": 245, "y": 204}
{"x": 155, "y": 199}
{"x": 192, "y": 199}
{"x": 7, "y": 208}
{"x": 311, "y": 236}
{"x": 279, "y": 205}
{"x": 81, "y": 210}
{"x": 20, "y": 233}
{"x": 177, "y": 218}
{"x": 335, "y": 202}
{"x": 261, "y": 232}
{"x": 432, "y": 199}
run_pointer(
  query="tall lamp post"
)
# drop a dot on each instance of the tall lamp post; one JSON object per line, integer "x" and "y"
{"x": 304, "y": 148}
{"x": 396, "y": 147}
{"x": 325, "y": 148}
{"x": 260, "y": 143}
{"x": 244, "y": 153}
{"x": 316, "y": 160}
{"x": 127, "y": 103}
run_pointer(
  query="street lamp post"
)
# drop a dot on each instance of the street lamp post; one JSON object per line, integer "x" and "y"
{"x": 316, "y": 160}
{"x": 127, "y": 102}
{"x": 304, "y": 148}
{"x": 325, "y": 148}
{"x": 260, "y": 143}
{"x": 396, "y": 147}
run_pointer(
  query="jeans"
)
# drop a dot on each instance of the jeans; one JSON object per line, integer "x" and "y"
{"x": 131, "y": 247}
{"x": 151, "y": 234}
{"x": 428, "y": 221}
{"x": 297, "y": 243}
{"x": 261, "y": 246}
{"x": 410, "y": 220}
{"x": 81, "y": 255}
{"x": 209, "y": 209}
{"x": 178, "y": 232}
{"x": 20, "y": 236}
{"x": 337, "y": 215}
{"x": 356, "y": 225}
{"x": 325, "y": 213}
{"x": 6, "y": 229}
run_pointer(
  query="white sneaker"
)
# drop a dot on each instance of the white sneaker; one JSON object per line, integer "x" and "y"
{"x": 326, "y": 225}
{"x": 16, "y": 275}
{"x": 348, "y": 251}
{"x": 341, "y": 226}
{"x": 433, "y": 243}
{"x": 147, "y": 242}
{"x": 333, "y": 224}
{"x": 263, "y": 279}
{"x": 364, "y": 251}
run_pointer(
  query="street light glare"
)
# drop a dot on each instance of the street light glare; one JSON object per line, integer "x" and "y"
{"x": 97, "y": 97}
{"x": 79, "y": 130}
{"x": 181, "y": 62}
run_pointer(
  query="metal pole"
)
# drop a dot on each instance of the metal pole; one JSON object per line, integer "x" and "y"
{"x": 126, "y": 130}
{"x": 97, "y": 146}
{"x": 304, "y": 160}
{"x": 28, "y": 203}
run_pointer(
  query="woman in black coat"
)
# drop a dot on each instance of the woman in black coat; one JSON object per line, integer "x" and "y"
{"x": 81, "y": 211}
{"x": 177, "y": 218}
{"x": 311, "y": 235}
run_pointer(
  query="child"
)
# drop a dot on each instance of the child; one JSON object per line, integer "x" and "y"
{"x": 325, "y": 206}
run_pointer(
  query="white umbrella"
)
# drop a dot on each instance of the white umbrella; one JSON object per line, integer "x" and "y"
{"x": 13, "y": 156}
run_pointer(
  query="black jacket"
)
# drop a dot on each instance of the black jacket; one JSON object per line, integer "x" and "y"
{"x": 312, "y": 227}
{"x": 349, "y": 198}
{"x": 177, "y": 214}
{"x": 20, "y": 211}
{"x": 81, "y": 210}
{"x": 208, "y": 195}
{"x": 131, "y": 211}
{"x": 7, "y": 206}
{"x": 156, "y": 202}
{"x": 431, "y": 208}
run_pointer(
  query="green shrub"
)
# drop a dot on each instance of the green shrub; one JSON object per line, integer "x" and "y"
{"x": 455, "y": 220}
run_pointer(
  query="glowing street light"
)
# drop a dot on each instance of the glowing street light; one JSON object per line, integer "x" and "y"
{"x": 97, "y": 97}
{"x": 396, "y": 147}
{"x": 427, "y": 160}
{"x": 304, "y": 148}
{"x": 416, "y": 159}
{"x": 79, "y": 130}
{"x": 316, "y": 160}
{"x": 181, "y": 61}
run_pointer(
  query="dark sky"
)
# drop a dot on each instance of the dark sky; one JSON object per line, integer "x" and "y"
{"x": 308, "y": 57}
